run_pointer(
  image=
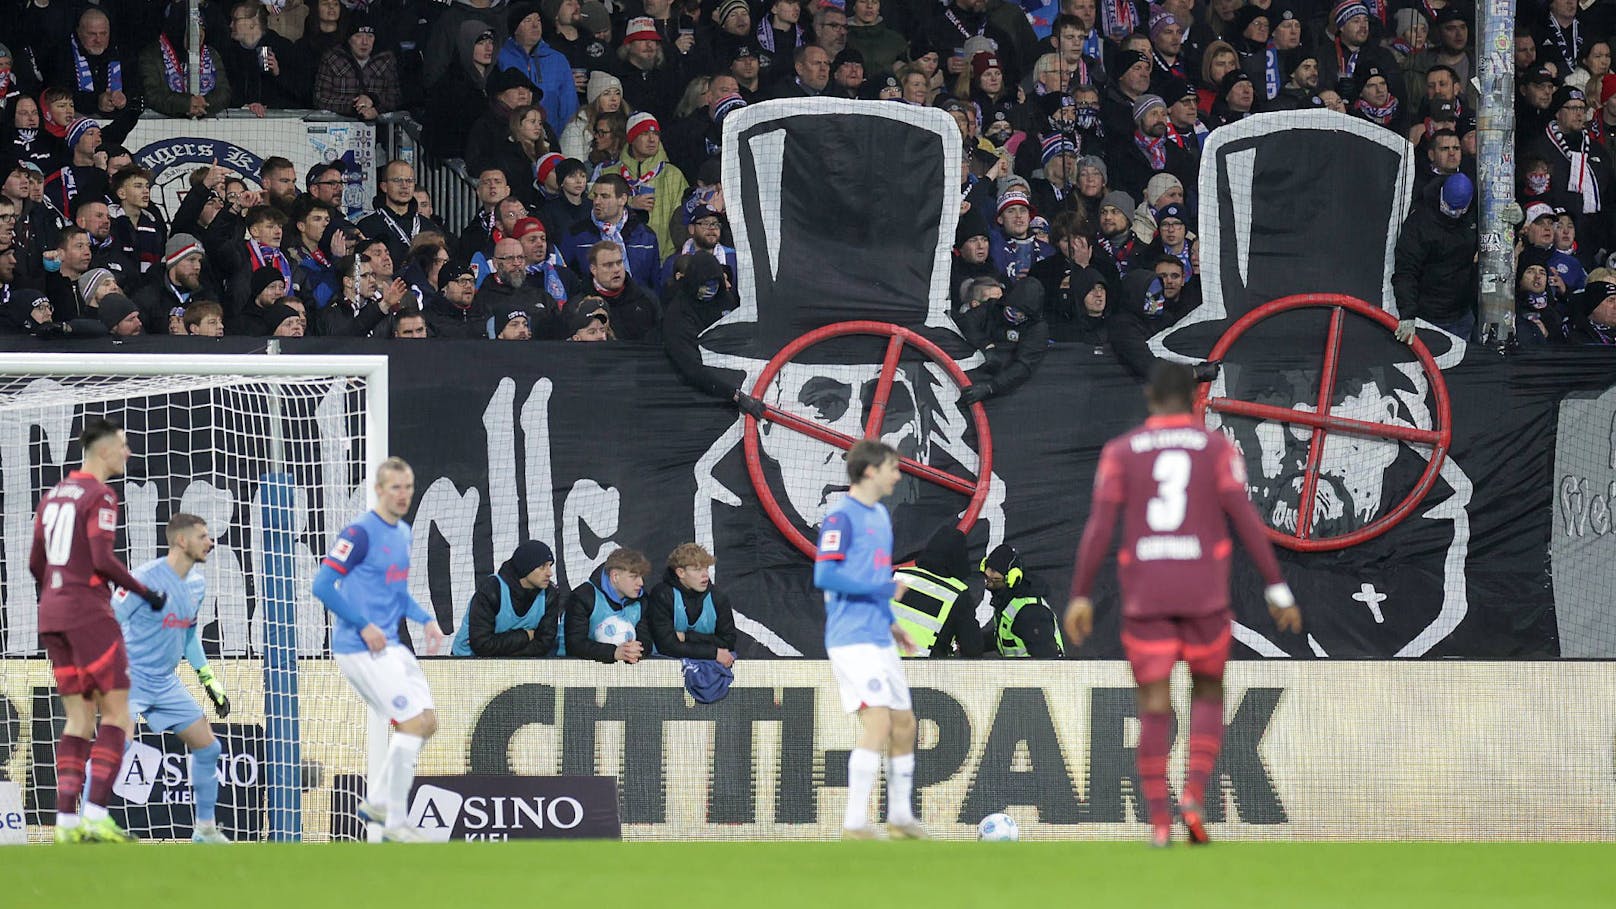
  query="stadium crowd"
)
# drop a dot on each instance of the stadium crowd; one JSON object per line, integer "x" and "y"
{"x": 593, "y": 132}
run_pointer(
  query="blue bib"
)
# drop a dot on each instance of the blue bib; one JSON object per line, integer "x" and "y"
{"x": 603, "y": 610}
{"x": 505, "y": 620}
{"x": 706, "y": 622}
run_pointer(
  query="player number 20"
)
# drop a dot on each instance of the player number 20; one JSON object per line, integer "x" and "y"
{"x": 58, "y": 519}
{"x": 1165, "y": 512}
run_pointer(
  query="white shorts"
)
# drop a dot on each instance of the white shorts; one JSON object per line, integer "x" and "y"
{"x": 869, "y": 676}
{"x": 391, "y": 682}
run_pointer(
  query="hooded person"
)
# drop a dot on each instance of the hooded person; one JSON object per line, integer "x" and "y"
{"x": 690, "y": 617}
{"x": 701, "y": 296}
{"x": 1434, "y": 266}
{"x": 938, "y": 607}
{"x": 1023, "y": 623}
{"x": 463, "y": 88}
{"x": 1142, "y": 311}
{"x": 1082, "y": 311}
{"x": 517, "y": 610}
{"x": 1013, "y": 337}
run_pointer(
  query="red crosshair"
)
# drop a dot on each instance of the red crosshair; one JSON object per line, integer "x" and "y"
{"x": 899, "y": 336}
{"x": 1322, "y": 422}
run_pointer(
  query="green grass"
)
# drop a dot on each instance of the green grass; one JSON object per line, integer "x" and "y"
{"x": 520, "y": 875}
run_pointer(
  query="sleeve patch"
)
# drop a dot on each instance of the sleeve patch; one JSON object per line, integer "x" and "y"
{"x": 342, "y": 550}
{"x": 107, "y": 519}
{"x": 833, "y": 538}
{"x": 349, "y": 550}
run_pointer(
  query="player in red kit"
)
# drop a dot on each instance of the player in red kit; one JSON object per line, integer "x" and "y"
{"x": 1178, "y": 487}
{"x": 75, "y": 566}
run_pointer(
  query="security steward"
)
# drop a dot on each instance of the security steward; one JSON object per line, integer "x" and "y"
{"x": 1023, "y": 624}
{"x": 936, "y": 609}
{"x": 517, "y": 611}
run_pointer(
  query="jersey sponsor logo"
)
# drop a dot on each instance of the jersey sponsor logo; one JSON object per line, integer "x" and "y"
{"x": 396, "y": 574}
{"x": 173, "y": 621}
{"x": 107, "y": 519}
{"x": 342, "y": 550}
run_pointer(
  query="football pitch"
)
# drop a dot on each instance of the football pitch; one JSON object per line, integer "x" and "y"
{"x": 773, "y": 875}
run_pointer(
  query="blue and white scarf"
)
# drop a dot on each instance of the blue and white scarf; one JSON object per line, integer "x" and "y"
{"x": 86, "y": 79}
{"x": 174, "y": 74}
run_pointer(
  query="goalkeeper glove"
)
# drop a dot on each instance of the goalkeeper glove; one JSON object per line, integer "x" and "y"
{"x": 210, "y": 684}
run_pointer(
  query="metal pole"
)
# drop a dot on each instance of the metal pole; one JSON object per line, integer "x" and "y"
{"x": 1495, "y": 156}
{"x": 193, "y": 48}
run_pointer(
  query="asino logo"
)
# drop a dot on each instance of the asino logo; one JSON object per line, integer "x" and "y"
{"x": 443, "y": 814}
{"x": 144, "y": 767}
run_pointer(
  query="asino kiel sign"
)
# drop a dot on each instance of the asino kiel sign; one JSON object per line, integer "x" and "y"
{"x": 1015, "y": 758}
{"x": 495, "y": 809}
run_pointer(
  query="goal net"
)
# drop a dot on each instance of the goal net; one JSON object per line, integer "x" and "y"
{"x": 274, "y": 453}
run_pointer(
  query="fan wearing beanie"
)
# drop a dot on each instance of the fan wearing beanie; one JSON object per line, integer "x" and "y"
{"x": 656, "y": 186}
{"x": 516, "y": 612}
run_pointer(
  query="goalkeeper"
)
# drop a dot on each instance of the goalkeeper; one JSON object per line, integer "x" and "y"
{"x": 156, "y": 638}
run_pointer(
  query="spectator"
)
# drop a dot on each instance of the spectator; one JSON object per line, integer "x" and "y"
{"x": 1070, "y": 234}
{"x": 811, "y": 67}
{"x": 516, "y": 611}
{"x": 1592, "y": 67}
{"x": 1434, "y": 277}
{"x": 92, "y": 286}
{"x": 455, "y": 311}
{"x": 181, "y": 280}
{"x": 608, "y": 220}
{"x": 137, "y": 226}
{"x": 604, "y": 95}
{"x": 1120, "y": 97}
{"x": 1580, "y": 167}
{"x": 1347, "y": 52}
{"x": 204, "y": 319}
{"x": 1450, "y": 47}
{"x": 588, "y": 320}
{"x": 478, "y": 234}
{"x": 518, "y": 155}
{"x": 509, "y": 285}
{"x": 706, "y": 234}
{"x": 542, "y": 65}
{"x": 1116, "y": 237}
{"x": 324, "y": 182}
{"x": 95, "y": 71}
{"x": 614, "y": 589}
{"x": 310, "y": 217}
{"x": 1089, "y": 315}
{"x": 64, "y": 265}
{"x": 881, "y": 46}
{"x": 1539, "y": 315}
{"x": 285, "y": 321}
{"x": 1173, "y": 237}
{"x": 165, "y": 76}
{"x": 509, "y": 91}
{"x": 317, "y": 277}
{"x": 510, "y": 323}
{"x": 651, "y": 82}
{"x": 634, "y": 311}
{"x": 24, "y": 141}
{"x": 80, "y": 178}
{"x": 578, "y": 44}
{"x": 355, "y": 80}
{"x": 779, "y": 35}
{"x": 689, "y": 617}
{"x": 120, "y": 316}
{"x": 700, "y": 296}
{"x": 326, "y": 30}
{"x": 1593, "y": 320}
{"x": 397, "y": 220}
{"x": 546, "y": 271}
{"x": 365, "y": 301}
{"x": 266, "y": 70}
{"x": 1565, "y": 259}
{"x": 409, "y": 324}
{"x": 743, "y": 67}
{"x": 1016, "y": 249}
{"x": 264, "y": 292}
{"x": 657, "y": 188}
{"x": 464, "y": 87}
{"x": 1012, "y": 336}
{"x": 1143, "y": 310}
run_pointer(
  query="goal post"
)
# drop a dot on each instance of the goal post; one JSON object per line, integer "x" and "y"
{"x": 278, "y": 453}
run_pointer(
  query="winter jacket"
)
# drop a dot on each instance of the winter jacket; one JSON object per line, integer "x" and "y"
{"x": 671, "y": 595}
{"x": 1011, "y": 334}
{"x": 580, "y": 606}
{"x": 643, "y": 248}
{"x": 548, "y": 69}
{"x": 484, "y": 608}
{"x": 687, "y": 316}
{"x": 670, "y": 186}
{"x": 458, "y": 94}
{"x": 1434, "y": 276}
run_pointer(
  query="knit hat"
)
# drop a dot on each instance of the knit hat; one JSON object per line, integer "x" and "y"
{"x": 1292, "y": 59}
{"x": 263, "y": 277}
{"x": 549, "y": 8}
{"x": 1096, "y": 162}
{"x": 1159, "y": 185}
{"x": 1457, "y": 194}
{"x": 546, "y": 164}
{"x": 1118, "y": 200}
{"x": 1236, "y": 76}
{"x": 1003, "y": 558}
{"x": 744, "y": 50}
{"x": 273, "y": 316}
{"x": 1173, "y": 90}
{"x": 1160, "y": 18}
{"x": 1404, "y": 20}
{"x": 1607, "y": 88}
{"x": 640, "y": 123}
{"x": 1056, "y": 144}
{"x": 518, "y": 12}
{"x": 599, "y": 84}
{"x": 1347, "y": 10}
{"x": 1564, "y": 95}
{"x": 847, "y": 55}
{"x": 529, "y": 555}
{"x": 723, "y": 106}
{"x": 1171, "y": 212}
{"x": 178, "y": 247}
{"x": 525, "y": 226}
{"x": 360, "y": 23}
{"x": 76, "y": 132}
{"x": 1245, "y": 15}
{"x": 114, "y": 309}
{"x": 1147, "y": 103}
{"x": 1127, "y": 59}
{"x": 506, "y": 313}
{"x": 456, "y": 267}
{"x": 1013, "y": 198}
{"x": 593, "y": 17}
{"x": 641, "y": 28}
{"x": 981, "y": 63}
{"x": 91, "y": 280}
{"x": 977, "y": 44}
{"x": 725, "y": 8}
{"x": 971, "y": 224}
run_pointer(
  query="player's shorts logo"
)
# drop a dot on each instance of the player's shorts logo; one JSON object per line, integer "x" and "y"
{"x": 400, "y": 702}
{"x": 875, "y": 684}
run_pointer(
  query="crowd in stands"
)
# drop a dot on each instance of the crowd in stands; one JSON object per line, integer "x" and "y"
{"x": 593, "y": 130}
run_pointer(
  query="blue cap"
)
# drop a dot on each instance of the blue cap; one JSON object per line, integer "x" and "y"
{"x": 707, "y": 680}
{"x": 1457, "y": 194}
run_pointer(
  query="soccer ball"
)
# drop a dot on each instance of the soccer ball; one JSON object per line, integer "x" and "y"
{"x": 998, "y": 828}
{"x": 614, "y": 629}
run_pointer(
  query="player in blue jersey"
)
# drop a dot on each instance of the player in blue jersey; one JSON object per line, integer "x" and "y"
{"x": 155, "y": 638}
{"x": 854, "y": 569}
{"x": 365, "y": 582}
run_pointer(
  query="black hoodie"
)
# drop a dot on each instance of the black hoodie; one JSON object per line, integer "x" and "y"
{"x": 1011, "y": 334}
{"x": 485, "y": 642}
{"x": 1069, "y": 320}
{"x": 1135, "y": 319}
{"x": 688, "y": 315}
{"x": 670, "y": 595}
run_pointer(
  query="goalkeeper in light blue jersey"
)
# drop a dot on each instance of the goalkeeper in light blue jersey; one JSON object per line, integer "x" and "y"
{"x": 156, "y": 638}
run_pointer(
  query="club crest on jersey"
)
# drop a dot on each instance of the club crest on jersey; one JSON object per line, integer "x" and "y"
{"x": 107, "y": 518}
{"x": 342, "y": 550}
